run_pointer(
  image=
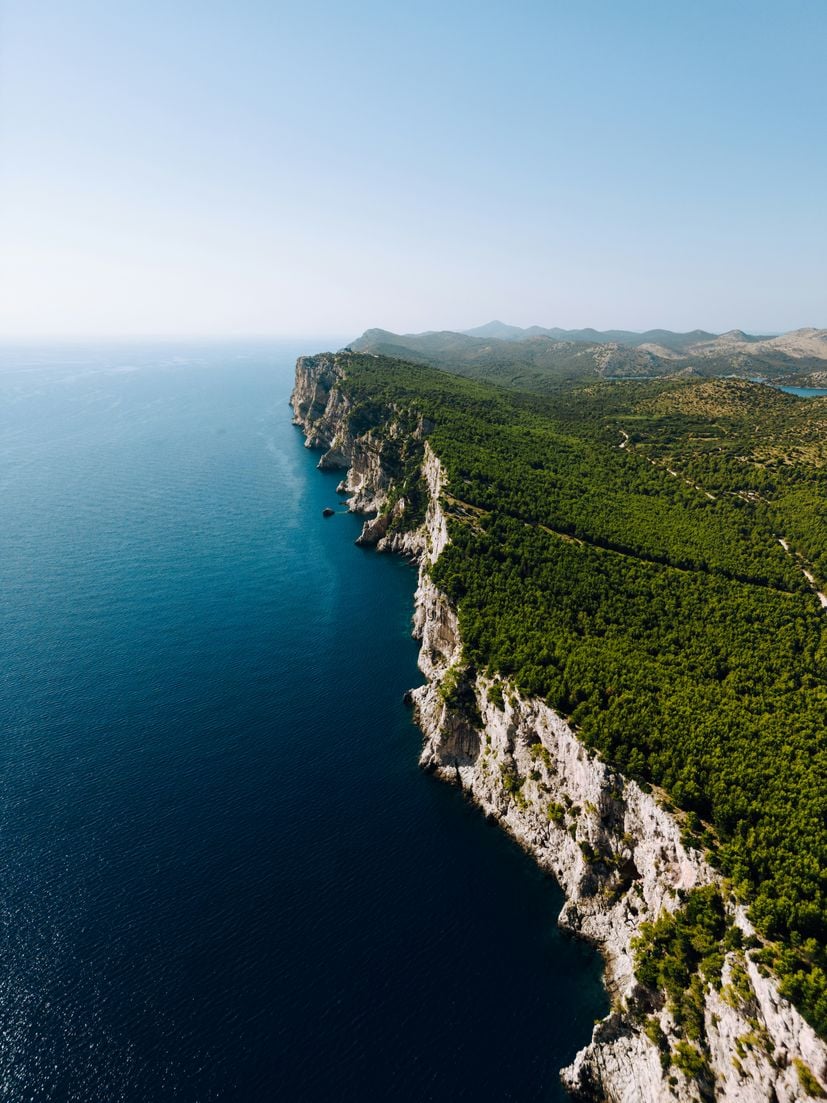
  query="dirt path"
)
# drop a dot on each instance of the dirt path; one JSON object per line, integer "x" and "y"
{"x": 807, "y": 574}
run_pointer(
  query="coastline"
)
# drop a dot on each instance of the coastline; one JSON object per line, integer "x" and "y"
{"x": 616, "y": 851}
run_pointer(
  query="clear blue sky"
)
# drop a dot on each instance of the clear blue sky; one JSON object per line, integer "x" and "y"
{"x": 233, "y": 166}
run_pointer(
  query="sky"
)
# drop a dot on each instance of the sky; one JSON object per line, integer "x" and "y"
{"x": 242, "y": 167}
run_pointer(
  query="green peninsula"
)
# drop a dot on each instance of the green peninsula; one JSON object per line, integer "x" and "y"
{"x": 648, "y": 557}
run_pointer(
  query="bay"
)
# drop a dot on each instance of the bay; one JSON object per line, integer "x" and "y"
{"x": 804, "y": 392}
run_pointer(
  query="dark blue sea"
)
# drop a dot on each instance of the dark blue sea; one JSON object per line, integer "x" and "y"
{"x": 222, "y": 874}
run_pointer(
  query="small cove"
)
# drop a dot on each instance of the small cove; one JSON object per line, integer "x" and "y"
{"x": 805, "y": 392}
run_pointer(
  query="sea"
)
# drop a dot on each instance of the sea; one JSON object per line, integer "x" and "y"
{"x": 805, "y": 392}
{"x": 223, "y": 875}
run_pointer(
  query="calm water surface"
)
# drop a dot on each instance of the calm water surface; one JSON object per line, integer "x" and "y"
{"x": 805, "y": 392}
{"x": 223, "y": 875}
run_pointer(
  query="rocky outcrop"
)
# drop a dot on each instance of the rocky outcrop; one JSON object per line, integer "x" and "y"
{"x": 326, "y": 415}
{"x": 618, "y": 854}
{"x": 321, "y": 408}
{"x": 617, "y": 851}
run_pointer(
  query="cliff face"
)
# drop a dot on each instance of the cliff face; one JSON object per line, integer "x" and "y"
{"x": 614, "y": 849}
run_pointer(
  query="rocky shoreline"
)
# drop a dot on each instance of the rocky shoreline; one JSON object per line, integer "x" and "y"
{"x": 619, "y": 853}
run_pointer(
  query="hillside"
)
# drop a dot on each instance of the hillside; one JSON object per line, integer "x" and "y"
{"x": 664, "y": 337}
{"x": 645, "y": 558}
{"x": 539, "y": 359}
{"x": 539, "y": 363}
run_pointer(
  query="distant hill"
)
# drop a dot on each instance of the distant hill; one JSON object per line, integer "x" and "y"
{"x": 534, "y": 364}
{"x": 503, "y": 332}
{"x": 538, "y": 359}
{"x": 663, "y": 337}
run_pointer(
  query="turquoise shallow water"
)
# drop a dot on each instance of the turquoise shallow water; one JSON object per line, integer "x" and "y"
{"x": 224, "y": 876}
{"x": 804, "y": 392}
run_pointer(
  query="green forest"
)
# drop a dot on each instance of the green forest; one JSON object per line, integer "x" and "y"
{"x": 616, "y": 549}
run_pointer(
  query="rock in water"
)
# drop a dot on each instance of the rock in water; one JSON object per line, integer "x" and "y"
{"x": 327, "y": 512}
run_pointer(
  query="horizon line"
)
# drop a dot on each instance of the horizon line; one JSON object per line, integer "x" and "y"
{"x": 265, "y": 335}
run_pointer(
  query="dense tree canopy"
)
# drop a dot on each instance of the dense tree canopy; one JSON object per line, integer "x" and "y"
{"x": 616, "y": 550}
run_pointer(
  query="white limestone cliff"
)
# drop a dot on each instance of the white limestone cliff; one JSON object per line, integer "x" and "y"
{"x": 616, "y": 851}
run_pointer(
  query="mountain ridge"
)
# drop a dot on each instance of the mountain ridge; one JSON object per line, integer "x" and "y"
{"x": 538, "y": 359}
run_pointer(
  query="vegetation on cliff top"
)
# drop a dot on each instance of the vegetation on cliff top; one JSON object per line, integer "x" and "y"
{"x": 615, "y": 550}
{"x": 538, "y": 359}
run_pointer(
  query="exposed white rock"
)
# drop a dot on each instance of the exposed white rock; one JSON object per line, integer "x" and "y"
{"x": 615, "y": 850}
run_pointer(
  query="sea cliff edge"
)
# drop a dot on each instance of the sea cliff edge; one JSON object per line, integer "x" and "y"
{"x": 616, "y": 851}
